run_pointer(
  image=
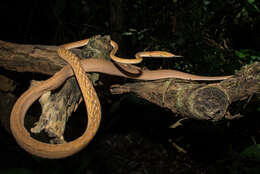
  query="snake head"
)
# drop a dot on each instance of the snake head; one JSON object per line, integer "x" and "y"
{"x": 168, "y": 54}
{"x": 161, "y": 54}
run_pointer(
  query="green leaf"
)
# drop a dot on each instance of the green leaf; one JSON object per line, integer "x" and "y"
{"x": 241, "y": 54}
{"x": 250, "y": 1}
{"x": 140, "y": 37}
{"x": 127, "y": 33}
{"x": 252, "y": 152}
{"x": 256, "y": 8}
{"x": 255, "y": 58}
{"x": 131, "y": 29}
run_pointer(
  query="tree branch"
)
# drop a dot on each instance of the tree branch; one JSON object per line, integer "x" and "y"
{"x": 187, "y": 98}
{"x": 197, "y": 100}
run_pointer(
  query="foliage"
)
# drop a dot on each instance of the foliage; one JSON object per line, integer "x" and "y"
{"x": 248, "y": 56}
{"x": 209, "y": 34}
{"x": 252, "y": 152}
{"x": 205, "y": 32}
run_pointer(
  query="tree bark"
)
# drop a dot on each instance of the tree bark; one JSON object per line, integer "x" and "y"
{"x": 187, "y": 98}
{"x": 198, "y": 100}
{"x": 56, "y": 106}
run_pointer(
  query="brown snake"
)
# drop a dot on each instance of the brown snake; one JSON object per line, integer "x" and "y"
{"x": 23, "y": 103}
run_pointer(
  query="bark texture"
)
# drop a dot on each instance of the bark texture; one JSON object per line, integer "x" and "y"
{"x": 187, "y": 98}
{"x": 57, "y": 107}
{"x": 198, "y": 100}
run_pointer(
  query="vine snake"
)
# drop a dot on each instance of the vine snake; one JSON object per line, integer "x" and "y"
{"x": 138, "y": 56}
{"x": 79, "y": 68}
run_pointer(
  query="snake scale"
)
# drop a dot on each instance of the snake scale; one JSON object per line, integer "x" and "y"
{"x": 23, "y": 103}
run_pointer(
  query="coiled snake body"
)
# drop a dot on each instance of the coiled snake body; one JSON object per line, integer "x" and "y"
{"x": 21, "y": 106}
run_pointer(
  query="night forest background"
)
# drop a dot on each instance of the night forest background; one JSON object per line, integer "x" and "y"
{"x": 214, "y": 37}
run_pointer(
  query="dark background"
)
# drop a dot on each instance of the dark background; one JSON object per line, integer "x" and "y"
{"x": 215, "y": 38}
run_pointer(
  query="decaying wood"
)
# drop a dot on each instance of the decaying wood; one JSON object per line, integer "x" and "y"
{"x": 58, "y": 107}
{"x": 44, "y": 59}
{"x": 187, "y": 98}
{"x": 198, "y": 100}
{"x": 30, "y": 58}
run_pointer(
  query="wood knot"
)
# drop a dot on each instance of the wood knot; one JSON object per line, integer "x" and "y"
{"x": 209, "y": 102}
